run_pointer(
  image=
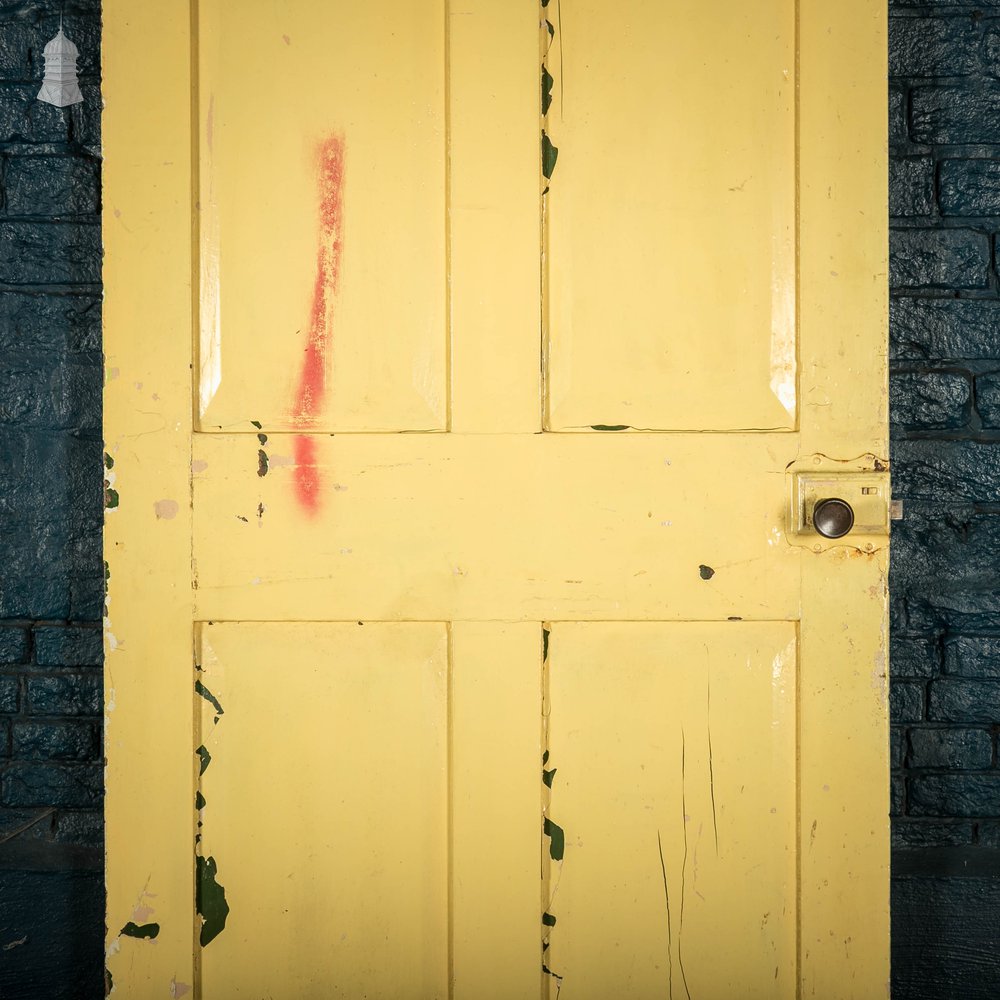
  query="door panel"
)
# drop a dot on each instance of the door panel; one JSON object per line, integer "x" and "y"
{"x": 660, "y": 891}
{"x": 382, "y": 723}
{"x": 462, "y": 537}
{"x": 324, "y": 810}
{"x": 342, "y": 210}
{"x": 671, "y": 222}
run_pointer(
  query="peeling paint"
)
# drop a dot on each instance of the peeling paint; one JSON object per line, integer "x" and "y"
{"x": 609, "y": 427}
{"x": 550, "y": 154}
{"x": 135, "y": 930}
{"x": 261, "y": 462}
{"x": 557, "y": 838}
{"x": 706, "y": 572}
{"x": 210, "y": 698}
{"x": 210, "y": 900}
{"x": 204, "y": 759}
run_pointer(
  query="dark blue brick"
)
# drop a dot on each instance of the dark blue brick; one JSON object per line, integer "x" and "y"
{"x": 84, "y": 828}
{"x": 944, "y": 328}
{"x": 34, "y": 392}
{"x": 940, "y": 545}
{"x": 953, "y": 114}
{"x": 55, "y": 741}
{"x": 31, "y": 784}
{"x": 948, "y": 471}
{"x": 13, "y": 644}
{"x": 955, "y": 700}
{"x": 931, "y": 833}
{"x": 970, "y": 187}
{"x": 25, "y": 824}
{"x": 965, "y": 749}
{"x": 988, "y": 398}
{"x": 51, "y": 324}
{"x": 930, "y": 400}
{"x": 938, "y": 608}
{"x": 937, "y": 258}
{"x": 906, "y": 702}
{"x": 911, "y": 186}
{"x": 66, "y": 646}
{"x": 52, "y": 186}
{"x": 973, "y": 656}
{"x": 53, "y": 253}
{"x": 9, "y": 694}
{"x": 65, "y": 694}
{"x": 934, "y": 46}
{"x": 954, "y": 795}
{"x": 913, "y": 657}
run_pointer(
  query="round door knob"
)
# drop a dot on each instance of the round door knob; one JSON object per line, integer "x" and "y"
{"x": 833, "y": 518}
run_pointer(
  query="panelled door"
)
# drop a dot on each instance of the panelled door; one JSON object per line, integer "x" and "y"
{"x": 477, "y": 374}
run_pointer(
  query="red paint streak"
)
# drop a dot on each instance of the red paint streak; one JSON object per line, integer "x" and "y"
{"x": 312, "y": 380}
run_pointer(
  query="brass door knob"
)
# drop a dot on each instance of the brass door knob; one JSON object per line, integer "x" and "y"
{"x": 833, "y": 518}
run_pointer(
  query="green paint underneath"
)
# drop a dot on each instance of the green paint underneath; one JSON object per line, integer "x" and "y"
{"x": 257, "y": 424}
{"x": 109, "y": 462}
{"x": 140, "y": 930}
{"x": 609, "y": 427}
{"x": 550, "y": 154}
{"x": 110, "y": 497}
{"x": 199, "y": 800}
{"x": 548, "y": 920}
{"x": 706, "y": 572}
{"x": 547, "y": 776}
{"x": 210, "y": 900}
{"x": 205, "y": 757}
{"x": 547, "y": 82}
{"x": 209, "y": 697}
{"x": 557, "y": 839}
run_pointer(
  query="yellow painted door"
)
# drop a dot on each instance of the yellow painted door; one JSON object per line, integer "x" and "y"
{"x": 475, "y": 369}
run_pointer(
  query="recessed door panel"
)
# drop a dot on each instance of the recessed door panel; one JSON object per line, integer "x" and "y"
{"x": 671, "y": 847}
{"x": 321, "y": 237}
{"x": 323, "y": 811}
{"x": 671, "y": 259}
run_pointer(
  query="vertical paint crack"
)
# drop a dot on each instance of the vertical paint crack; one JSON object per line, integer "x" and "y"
{"x": 684, "y": 861}
{"x": 670, "y": 936}
{"x": 711, "y": 761}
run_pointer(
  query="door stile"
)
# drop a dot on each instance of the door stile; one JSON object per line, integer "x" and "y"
{"x": 147, "y": 412}
{"x": 843, "y": 713}
{"x": 493, "y": 241}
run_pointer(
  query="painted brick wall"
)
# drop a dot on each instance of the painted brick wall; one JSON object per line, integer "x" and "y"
{"x": 51, "y": 569}
{"x": 944, "y": 64}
